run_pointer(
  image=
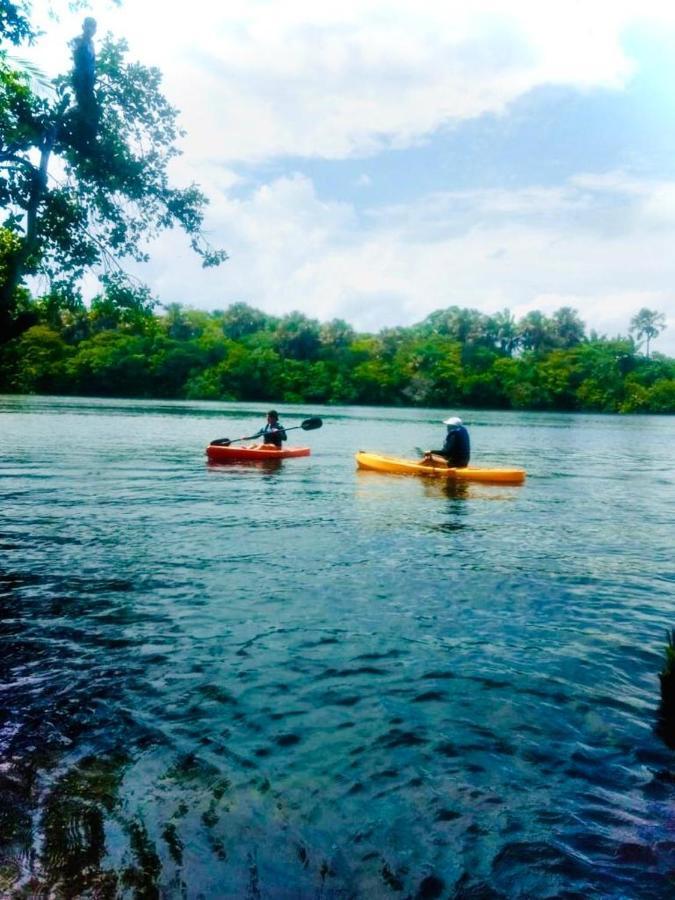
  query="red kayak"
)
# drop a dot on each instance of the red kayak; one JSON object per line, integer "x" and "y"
{"x": 218, "y": 453}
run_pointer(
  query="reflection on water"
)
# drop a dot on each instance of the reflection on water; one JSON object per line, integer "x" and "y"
{"x": 443, "y": 487}
{"x": 307, "y": 681}
{"x": 234, "y": 467}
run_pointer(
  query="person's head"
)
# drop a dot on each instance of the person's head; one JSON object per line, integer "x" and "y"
{"x": 452, "y": 422}
{"x": 272, "y": 416}
{"x": 89, "y": 27}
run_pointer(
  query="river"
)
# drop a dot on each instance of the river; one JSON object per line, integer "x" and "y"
{"x": 308, "y": 681}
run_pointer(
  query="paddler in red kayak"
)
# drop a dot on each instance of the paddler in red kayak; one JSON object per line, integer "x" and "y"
{"x": 273, "y": 433}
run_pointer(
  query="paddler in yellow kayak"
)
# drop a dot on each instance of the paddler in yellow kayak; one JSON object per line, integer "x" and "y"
{"x": 456, "y": 450}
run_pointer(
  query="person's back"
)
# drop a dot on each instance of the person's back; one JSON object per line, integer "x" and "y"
{"x": 456, "y": 451}
{"x": 457, "y": 446}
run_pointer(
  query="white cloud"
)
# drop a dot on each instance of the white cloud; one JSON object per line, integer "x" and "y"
{"x": 491, "y": 249}
{"x": 256, "y": 80}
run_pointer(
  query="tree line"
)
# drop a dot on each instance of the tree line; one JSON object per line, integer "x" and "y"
{"x": 120, "y": 345}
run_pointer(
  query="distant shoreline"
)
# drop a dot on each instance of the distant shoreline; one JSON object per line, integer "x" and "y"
{"x": 454, "y": 359}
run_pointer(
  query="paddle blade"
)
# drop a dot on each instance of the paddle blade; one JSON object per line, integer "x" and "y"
{"x": 221, "y": 442}
{"x": 311, "y": 424}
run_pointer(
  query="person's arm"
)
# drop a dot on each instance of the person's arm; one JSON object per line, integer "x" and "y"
{"x": 449, "y": 445}
{"x": 434, "y": 458}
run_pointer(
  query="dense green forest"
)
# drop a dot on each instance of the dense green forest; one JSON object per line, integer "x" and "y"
{"x": 120, "y": 346}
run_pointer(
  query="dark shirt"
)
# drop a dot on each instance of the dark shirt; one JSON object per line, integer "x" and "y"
{"x": 273, "y": 434}
{"x": 457, "y": 447}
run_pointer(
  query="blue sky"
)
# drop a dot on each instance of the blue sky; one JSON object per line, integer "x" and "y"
{"x": 543, "y": 137}
{"x": 376, "y": 161}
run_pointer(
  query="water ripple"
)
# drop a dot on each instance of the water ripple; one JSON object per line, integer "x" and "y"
{"x": 298, "y": 682}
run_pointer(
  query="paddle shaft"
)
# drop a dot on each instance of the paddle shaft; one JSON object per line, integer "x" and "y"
{"x": 307, "y": 425}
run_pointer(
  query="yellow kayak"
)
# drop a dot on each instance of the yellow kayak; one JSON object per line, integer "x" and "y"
{"x": 397, "y": 466}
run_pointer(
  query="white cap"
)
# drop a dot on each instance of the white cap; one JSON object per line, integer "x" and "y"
{"x": 453, "y": 420}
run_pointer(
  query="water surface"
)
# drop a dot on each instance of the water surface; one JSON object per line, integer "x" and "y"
{"x": 305, "y": 681}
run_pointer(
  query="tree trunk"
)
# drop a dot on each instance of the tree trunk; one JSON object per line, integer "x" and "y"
{"x": 16, "y": 265}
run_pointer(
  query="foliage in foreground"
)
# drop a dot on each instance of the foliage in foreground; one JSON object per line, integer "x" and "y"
{"x": 84, "y": 175}
{"x": 453, "y": 358}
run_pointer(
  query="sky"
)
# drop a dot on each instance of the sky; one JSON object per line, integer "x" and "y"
{"x": 376, "y": 161}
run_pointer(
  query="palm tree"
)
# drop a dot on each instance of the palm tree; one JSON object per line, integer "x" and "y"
{"x": 648, "y": 323}
{"x": 535, "y": 331}
{"x": 505, "y": 330}
{"x": 568, "y": 327}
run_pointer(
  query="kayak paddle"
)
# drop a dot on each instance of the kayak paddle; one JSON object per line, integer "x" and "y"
{"x": 308, "y": 425}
